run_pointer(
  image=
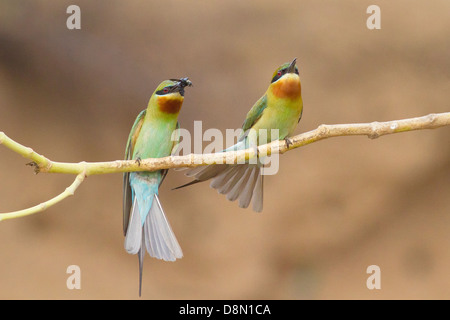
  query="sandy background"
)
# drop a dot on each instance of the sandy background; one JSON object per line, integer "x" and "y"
{"x": 334, "y": 208}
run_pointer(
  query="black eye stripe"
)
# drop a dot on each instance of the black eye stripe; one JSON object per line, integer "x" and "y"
{"x": 279, "y": 74}
{"x": 165, "y": 90}
{"x": 283, "y": 72}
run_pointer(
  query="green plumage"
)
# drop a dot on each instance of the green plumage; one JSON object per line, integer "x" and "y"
{"x": 280, "y": 108}
{"x": 152, "y": 136}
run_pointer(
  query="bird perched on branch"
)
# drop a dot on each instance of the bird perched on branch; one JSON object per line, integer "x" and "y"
{"x": 145, "y": 225}
{"x": 279, "y": 108}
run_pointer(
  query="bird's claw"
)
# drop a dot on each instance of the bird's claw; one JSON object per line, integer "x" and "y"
{"x": 138, "y": 161}
{"x": 288, "y": 142}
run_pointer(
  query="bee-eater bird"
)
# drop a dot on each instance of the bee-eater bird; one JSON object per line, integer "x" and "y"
{"x": 279, "y": 108}
{"x": 144, "y": 223}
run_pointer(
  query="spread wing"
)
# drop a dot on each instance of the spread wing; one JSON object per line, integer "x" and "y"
{"x": 127, "y": 199}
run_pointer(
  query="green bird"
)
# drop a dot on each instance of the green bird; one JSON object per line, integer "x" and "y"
{"x": 145, "y": 225}
{"x": 279, "y": 108}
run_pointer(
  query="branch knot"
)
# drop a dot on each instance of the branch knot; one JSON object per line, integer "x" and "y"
{"x": 375, "y": 127}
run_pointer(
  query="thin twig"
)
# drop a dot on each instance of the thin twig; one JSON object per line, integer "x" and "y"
{"x": 69, "y": 191}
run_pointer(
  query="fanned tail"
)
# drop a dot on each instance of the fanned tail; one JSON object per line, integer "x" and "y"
{"x": 242, "y": 181}
{"x": 237, "y": 181}
{"x": 160, "y": 240}
{"x": 153, "y": 234}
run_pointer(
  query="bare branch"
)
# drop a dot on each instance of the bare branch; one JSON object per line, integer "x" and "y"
{"x": 372, "y": 130}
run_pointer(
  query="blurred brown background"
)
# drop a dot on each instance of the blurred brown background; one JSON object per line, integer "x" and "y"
{"x": 334, "y": 208}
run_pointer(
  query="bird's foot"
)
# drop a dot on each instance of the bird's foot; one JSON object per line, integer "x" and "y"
{"x": 288, "y": 142}
{"x": 138, "y": 161}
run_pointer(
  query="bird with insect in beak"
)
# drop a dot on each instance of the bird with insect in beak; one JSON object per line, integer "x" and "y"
{"x": 279, "y": 108}
{"x": 145, "y": 225}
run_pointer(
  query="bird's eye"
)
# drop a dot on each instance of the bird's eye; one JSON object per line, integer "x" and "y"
{"x": 278, "y": 75}
{"x": 166, "y": 90}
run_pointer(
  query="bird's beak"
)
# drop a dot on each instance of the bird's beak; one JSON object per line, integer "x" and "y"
{"x": 181, "y": 84}
{"x": 291, "y": 68}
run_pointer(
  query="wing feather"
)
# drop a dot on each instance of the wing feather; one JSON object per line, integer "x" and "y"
{"x": 255, "y": 113}
{"x": 127, "y": 193}
{"x": 174, "y": 149}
